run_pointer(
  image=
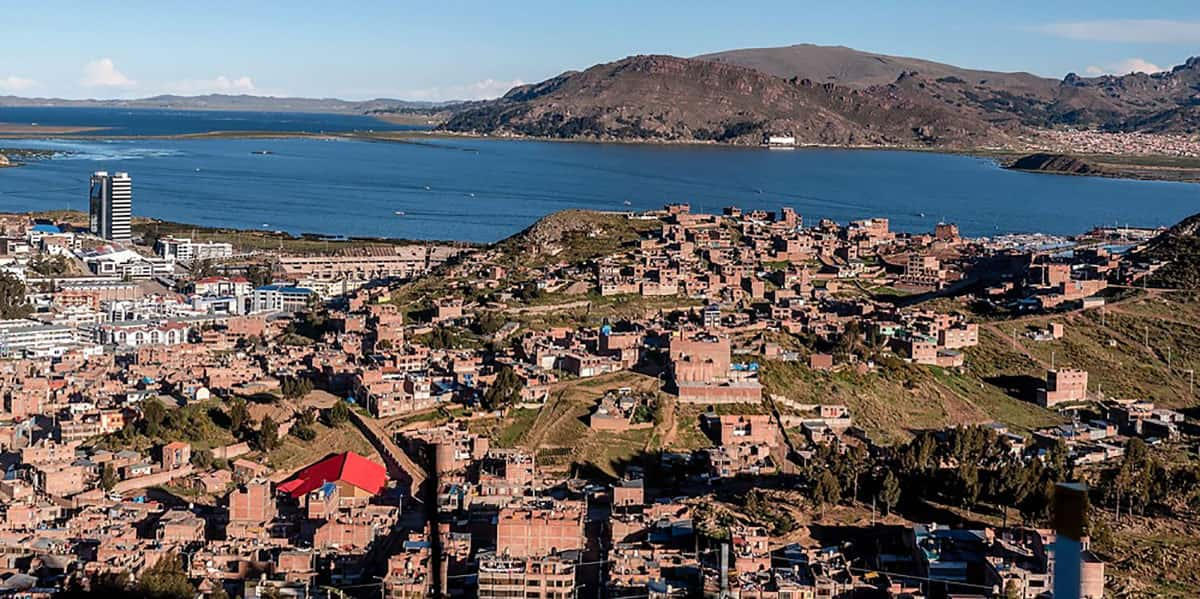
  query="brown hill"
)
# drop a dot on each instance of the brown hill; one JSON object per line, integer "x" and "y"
{"x": 1167, "y": 102}
{"x": 678, "y": 99}
{"x": 856, "y": 68}
{"x": 830, "y": 95}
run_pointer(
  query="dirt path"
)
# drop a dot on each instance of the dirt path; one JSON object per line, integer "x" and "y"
{"x": 398, "y": 462}
{"x": 668, "y": 425}
{"x": 549, "y": 308}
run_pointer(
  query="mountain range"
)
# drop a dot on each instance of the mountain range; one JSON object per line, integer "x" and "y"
{"x": 237, "y": 102}
{"x": 830, "y": 95}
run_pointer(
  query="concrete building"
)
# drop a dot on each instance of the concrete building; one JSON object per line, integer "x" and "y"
{"x": 549, "y": 577}
{"x": 110, "y": 206}
{"x": 184, "y": 249}
{"x": 539, "y": 528}
{"x": 1063, "y": 385}
{"x": 30, "y": 337}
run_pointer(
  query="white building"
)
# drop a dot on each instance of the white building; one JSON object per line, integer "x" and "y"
{"x": 279, "y": 298}
{"x": 183, "y": 249}
{"x": 21, "y": 337}
{"x": 136, "y": 333}
{"x": 115, "y": 261}
{"x": 222, "y": 286}
{"x": 110, "y": 206}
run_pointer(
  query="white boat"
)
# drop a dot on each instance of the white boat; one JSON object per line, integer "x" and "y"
{"x": 399, "y": 213}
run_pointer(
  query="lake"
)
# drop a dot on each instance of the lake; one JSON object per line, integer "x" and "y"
{"x": 153, "y": 121}
{"x": 484, "y": 190}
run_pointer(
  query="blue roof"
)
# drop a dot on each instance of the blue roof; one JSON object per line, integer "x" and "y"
{"x": 45, "y": 228}
{"x": 327, "y": 489}
{"x": 284, "y": 289}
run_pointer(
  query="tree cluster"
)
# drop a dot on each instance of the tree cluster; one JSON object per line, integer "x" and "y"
{"x": 505, "y": 391}
{"x": 964, "y": 466}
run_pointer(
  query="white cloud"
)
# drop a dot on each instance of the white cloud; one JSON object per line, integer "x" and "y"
{"x": 13, "y": 84}
{"x": 218, "y": 85}
{"x": 1125, "y": 67}
{"x": 1138, "y": 31}
{"x": 103, "y": 73}
{"x": 480, "y": 90}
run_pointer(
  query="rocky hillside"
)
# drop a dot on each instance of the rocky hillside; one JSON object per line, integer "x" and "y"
{"x": 830, "y": 95}
{"x": 1061, "y": 164}
{"x": 666, "y": 98}
{"x": 855, "y": 68}
{"x": 1167, "y": 102}
{"x": 573, "y": 236}
{"x": 1179, "y": 247}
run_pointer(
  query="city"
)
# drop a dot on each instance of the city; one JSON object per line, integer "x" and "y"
{"x": 623, "y": 404}
{"x": 600, "y": 300}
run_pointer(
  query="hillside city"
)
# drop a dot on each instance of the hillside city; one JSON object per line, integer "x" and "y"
{"x": 610, "y": 404}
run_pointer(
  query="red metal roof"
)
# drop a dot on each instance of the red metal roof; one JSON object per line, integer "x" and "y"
{"x": 348, "y": 467}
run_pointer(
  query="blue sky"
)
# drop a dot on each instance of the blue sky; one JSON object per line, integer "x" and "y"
{"x": 448, "y": 49}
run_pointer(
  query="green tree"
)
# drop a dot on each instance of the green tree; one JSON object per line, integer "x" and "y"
{"x": 153, "y": 415}
{"x": 302, "y": 432}
{"x": 166, "y": 579}
{"x": 202, "y": 459}
{"x": 827, "y": 490}
{"x": 504, "y": 391}
{"x": 849, "y": 341}
{"x": 259, "y": 275}
{"x": 108, "y": 477}
{"x": 338, "y": 414}
{"x": 268, "y": 435}
{"x": 295, "y": 388}
{"x": 968, "y": 485}
{"x": 889, "y": 491}
{"x": 488, "y": 323}
{"x": 12, "y": 297}
{"x": 306, "y": 417}
{"x": 239, "y": 415}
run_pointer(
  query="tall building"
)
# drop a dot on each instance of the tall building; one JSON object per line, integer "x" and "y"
{"x": 111, "y": 205}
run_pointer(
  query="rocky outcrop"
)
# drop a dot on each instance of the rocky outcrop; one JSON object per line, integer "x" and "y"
{"x": 1061, "y": 164}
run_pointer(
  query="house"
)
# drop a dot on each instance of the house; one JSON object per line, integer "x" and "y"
{"x": 353, "y": 474}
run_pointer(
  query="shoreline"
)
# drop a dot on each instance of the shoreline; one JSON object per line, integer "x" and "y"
{"x": 78, "y": 218}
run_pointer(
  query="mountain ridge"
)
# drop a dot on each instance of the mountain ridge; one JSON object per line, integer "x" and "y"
{"x": 247, "y": 102}
{"x": 873, "y": 100}
{"x": 668, "y": 98}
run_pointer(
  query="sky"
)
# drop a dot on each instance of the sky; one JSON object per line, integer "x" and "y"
{"x": 472, "y": 49}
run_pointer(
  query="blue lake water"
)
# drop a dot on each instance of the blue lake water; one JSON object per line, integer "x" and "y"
{"x": 153, "y": 121}
{"x": 484, "y": 190}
